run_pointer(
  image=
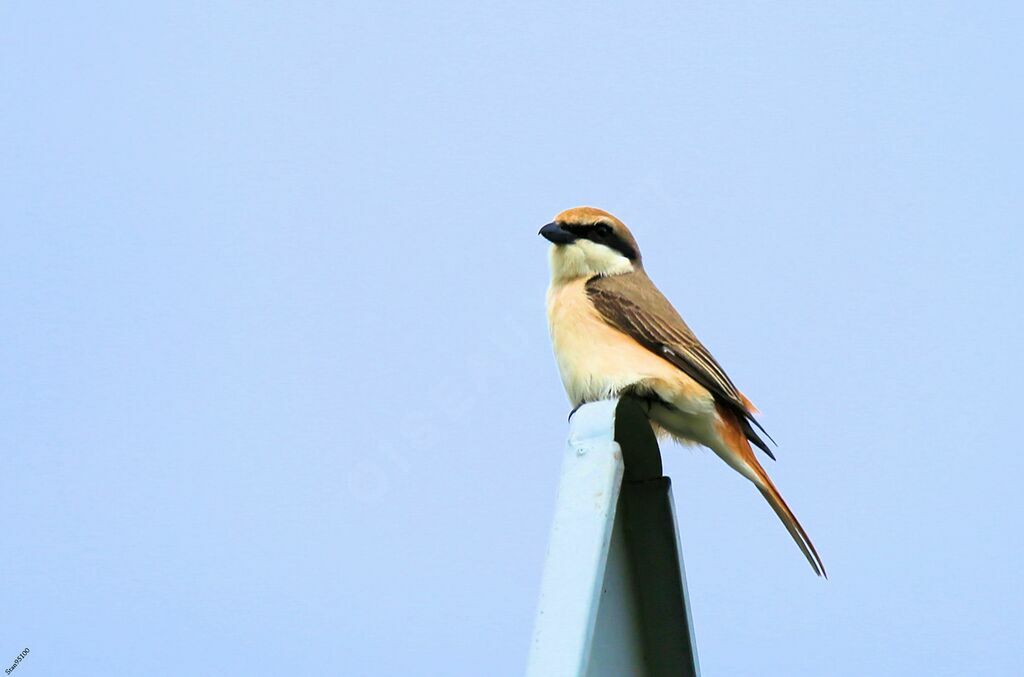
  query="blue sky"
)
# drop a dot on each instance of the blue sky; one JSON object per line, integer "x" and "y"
{"x": 276, "y": 389}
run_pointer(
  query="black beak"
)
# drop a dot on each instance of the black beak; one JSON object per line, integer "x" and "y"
{"x": 556, "y": 234}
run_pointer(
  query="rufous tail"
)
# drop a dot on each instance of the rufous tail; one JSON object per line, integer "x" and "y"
{"x": 792, "y": 524}
{"x": 739, "y": 455}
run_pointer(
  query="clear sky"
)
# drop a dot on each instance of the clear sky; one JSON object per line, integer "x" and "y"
{"x": 276, "y": 389}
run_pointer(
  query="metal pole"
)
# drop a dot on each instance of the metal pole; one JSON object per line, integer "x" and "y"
{"x": 613, "y": 595}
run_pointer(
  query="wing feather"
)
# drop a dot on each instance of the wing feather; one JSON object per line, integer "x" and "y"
{"x": 632, "y": 304}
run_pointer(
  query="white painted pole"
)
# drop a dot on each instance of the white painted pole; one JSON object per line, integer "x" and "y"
{"x": 613, "y": 599}
{"x": 570, "y": 590}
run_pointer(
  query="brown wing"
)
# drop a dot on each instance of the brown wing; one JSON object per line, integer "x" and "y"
{"x": 632, "y": 304}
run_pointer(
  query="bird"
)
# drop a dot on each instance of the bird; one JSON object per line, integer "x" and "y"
{"x": 615, "y": 334}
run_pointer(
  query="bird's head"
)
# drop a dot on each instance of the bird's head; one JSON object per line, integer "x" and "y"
{"x": 587, "y": 241}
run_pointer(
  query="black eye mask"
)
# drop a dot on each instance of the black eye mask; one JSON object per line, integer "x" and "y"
{"x": 603, "y": 234}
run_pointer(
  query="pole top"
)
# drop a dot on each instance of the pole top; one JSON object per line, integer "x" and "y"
{"x": 613, "y": 596}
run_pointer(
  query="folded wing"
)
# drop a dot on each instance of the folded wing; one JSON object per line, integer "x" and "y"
{"x": 633, "y": 305}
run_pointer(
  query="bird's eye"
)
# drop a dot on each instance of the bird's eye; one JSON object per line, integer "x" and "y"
{"x": 602, "y": 230}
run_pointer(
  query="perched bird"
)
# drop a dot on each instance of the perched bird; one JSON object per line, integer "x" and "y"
{"x": 614, "y": 334}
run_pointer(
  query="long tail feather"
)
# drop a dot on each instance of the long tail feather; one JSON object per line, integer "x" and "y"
{"x": 792, "y": 524}
{"x": 738, "y": 453}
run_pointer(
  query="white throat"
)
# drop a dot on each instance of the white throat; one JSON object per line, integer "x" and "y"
{"x": 584, "y": 258}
